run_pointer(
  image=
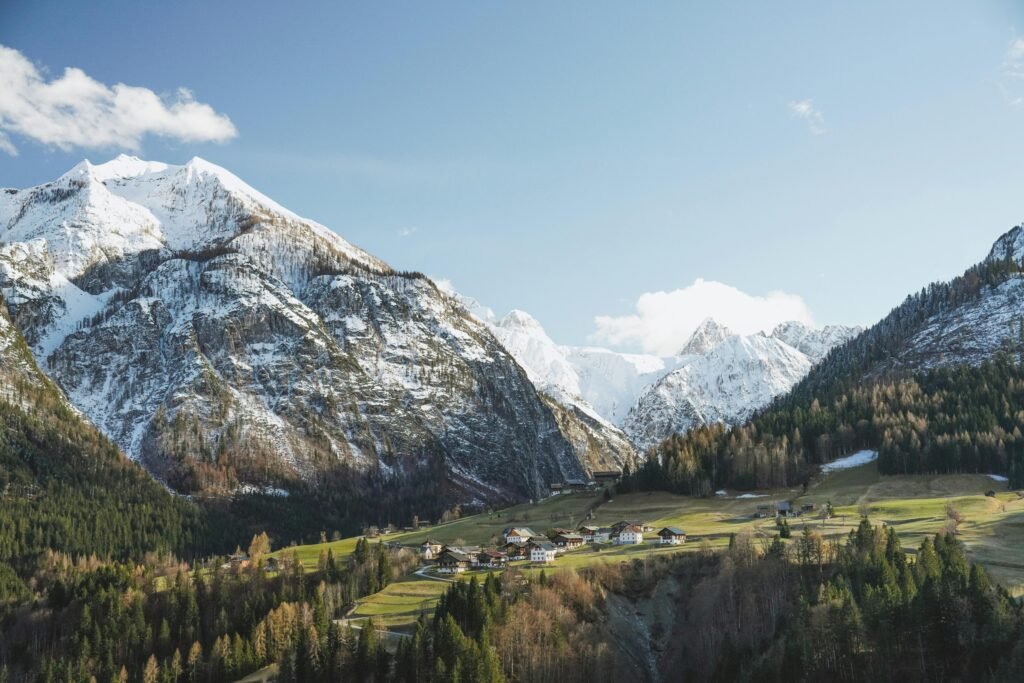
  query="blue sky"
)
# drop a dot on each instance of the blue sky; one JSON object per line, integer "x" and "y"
{"x": 568, "y": 159}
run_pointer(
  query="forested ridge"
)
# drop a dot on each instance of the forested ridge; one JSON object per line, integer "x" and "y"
{"x": 878, "y": 351}
{"x": 953, "y": 419}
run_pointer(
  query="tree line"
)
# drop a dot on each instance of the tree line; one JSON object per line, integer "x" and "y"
{"x": 961, "y": 419}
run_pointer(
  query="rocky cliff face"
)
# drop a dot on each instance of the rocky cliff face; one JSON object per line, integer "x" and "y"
{"x": 221, "y": 339}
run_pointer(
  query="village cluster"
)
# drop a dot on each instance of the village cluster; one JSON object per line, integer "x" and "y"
{"x": 523, "y": 543}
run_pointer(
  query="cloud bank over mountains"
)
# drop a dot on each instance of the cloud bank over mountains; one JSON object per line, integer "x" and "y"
{"x": 664, "y": 321}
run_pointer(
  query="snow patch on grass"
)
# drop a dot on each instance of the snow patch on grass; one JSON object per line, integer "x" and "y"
{"x": 856, "y": 460}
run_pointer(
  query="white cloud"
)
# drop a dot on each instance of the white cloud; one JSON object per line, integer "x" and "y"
{"x": 1011, "y": 81}
{"x": 664, "y": 321}
{"x": 407, "y": 232}
{"x": 76, "y": 110}
{"x": 1013, "y": 61}
{"x": 805, "y": 110}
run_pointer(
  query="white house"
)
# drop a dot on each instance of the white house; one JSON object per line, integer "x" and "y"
{"x": 430, "y": 550}
{"x": 630, "y": 535}
{"x": 671, "y": 535}
{"x": 602, "y": 535}
{"x": 542, "y": 553}
{"x": 518, "y": 534}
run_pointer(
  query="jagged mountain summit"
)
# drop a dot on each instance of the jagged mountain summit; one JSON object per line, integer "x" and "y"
{"x": 719, "y": 376}
{"x": 709, "y": 334}
{"x": 221, "y": 339}
{"x": 725, "y": 377}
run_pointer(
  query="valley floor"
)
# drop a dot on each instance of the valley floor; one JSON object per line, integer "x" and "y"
{"x": 991, "y": 527}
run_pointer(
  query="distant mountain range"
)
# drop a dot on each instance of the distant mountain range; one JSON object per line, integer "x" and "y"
{"x": 224, "y": 341}
{"x": 718, "y": 376}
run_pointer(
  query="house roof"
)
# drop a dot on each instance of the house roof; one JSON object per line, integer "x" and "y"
{"x": 544, "y": 546}
{"x": 783, "y": 505}
{"x": 587, "y": 527}
{"x": 571, "y": 536}
{"x": 524, "y": 531}
{"x": 492, "y": 553}
{"x": 456, "y": 555}
{"x": 671, "y": 531}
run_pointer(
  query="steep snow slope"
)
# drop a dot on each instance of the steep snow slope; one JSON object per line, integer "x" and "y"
{"x": 721, "y": 377}
{"x": 222, "y": 339}
{"x": 551, "y": 369}
{"x": 727, "y": 377}
{"x": 726, "y": 384}
{"x": 815, "y": 343}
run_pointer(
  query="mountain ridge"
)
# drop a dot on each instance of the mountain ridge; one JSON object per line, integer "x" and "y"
{"x": 223, "y": 340}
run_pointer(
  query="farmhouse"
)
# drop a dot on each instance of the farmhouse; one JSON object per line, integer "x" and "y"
{"x": 542, "y": 553}
{"x": 430, "y": 549}
{"x": 587, "y": 532}
{"x": 671, "y": 535}
{"x": 602, "y": 535}
{"x": 492, "y": 559}
{"x": 518, "y": 534}
{"x": 569, "y": 541}
{"x": 763, "y": 510}
{"x": 516, "y": 551}
{"x": 783, "y": 509}
{"x": 453, "y": 561}
{"x": 238, "y": 560}
{"x": 630, "y": 535}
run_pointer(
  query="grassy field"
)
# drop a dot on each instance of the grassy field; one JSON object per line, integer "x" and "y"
{"x": 914, "y": 505}
{"x": 401, "y": 603}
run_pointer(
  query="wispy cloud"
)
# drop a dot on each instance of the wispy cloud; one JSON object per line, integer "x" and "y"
{"x": 811, "y": 115}
{"x": 1013, "y": 60}
{"x": 664, "y": 321}
{"x": 408, "y": 232}
{"x": 76, "y": 110}
{"x": 1011, "y": 81}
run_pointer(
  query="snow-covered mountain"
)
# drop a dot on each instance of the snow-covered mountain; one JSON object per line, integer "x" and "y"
{"x": 725, "y": 377}
{"x": 719, "y": 376}
{"x": 222, "y": 339}
{"x": 557, "y": 373}
{"x": 966, "y": 320}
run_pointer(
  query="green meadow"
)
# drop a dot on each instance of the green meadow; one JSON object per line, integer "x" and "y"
{"x": 992, "y": 528}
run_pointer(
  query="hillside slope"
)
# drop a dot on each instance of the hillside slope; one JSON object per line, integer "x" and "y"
{"x": 223, "y": 340}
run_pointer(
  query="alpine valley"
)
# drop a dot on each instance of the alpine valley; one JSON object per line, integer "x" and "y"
{"x": 230, "y": 345}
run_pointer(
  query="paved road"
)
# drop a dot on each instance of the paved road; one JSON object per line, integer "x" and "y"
{"x": 421, "y": 572}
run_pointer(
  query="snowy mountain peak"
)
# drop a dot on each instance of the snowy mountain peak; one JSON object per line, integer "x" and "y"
{"x": 709, "y": 334}
{"x": 516, "y": 319}
{"x": 179, "y": 309}
{"x": 1009, "y": 246}
{"x": 735, "y": 376}
{"x": 125, "y": 166}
